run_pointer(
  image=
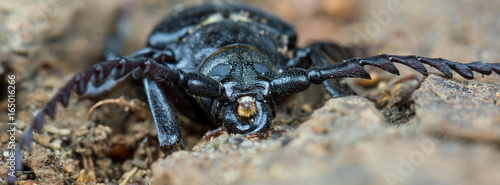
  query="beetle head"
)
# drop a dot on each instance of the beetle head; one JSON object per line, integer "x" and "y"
{"x": 246, "y": 105}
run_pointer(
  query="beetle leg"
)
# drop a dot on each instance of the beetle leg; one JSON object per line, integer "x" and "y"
{"x": 214, "y": 133}
{"x": 183, "y": 103}
{"x": 337, "y": 53}
{"x": 167, "y": 123}
{"x": 296, "y": 80}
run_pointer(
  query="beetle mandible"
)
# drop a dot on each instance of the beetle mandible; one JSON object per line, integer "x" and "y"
{"x": 235, "y": 62}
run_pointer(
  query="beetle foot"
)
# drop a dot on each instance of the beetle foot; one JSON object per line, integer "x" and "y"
{"x": 168, "y": 150}
{"x": 258, "y": 135}
{"x": 214, "y": 133}
{"x": 273, "y": 134}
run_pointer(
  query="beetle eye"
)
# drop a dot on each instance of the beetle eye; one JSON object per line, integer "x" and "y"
{"x": 220, "y": 70}
{"x": 261, "y": 68}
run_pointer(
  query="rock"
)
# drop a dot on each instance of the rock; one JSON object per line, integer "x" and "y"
{"x": 465, "y": 109}
{"x": 47, "y": 33}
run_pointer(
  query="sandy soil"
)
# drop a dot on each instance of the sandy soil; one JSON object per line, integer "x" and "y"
{"x": 440, "y": 131}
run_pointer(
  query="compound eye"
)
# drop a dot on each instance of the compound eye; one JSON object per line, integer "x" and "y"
{"x": 246, "y": 106}
{"x": 262, "y": 69}
{"x": 220, "y": 71}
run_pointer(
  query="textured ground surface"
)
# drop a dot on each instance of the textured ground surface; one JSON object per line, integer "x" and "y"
{"x": 450, "y": 132}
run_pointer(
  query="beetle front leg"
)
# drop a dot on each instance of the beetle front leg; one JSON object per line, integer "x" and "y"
{"x": 303, "y": 56}
{"x": 167, "y": 123}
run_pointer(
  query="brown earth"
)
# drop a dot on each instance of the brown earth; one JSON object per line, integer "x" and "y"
{"x": 440, "y": 131}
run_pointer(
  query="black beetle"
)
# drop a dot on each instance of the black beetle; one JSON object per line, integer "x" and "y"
{"x": 235, "y": 62}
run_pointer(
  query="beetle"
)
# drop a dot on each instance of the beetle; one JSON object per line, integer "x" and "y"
{"x": 235, "y": 62}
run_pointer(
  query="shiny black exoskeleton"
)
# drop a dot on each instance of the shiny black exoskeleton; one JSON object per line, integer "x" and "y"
{"x": 236, "y": 62}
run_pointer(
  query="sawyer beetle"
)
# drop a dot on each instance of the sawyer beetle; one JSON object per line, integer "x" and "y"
{"x": 235, "y": 62}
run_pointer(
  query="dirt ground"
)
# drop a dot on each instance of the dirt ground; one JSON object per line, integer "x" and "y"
{"x": 438, "y": 131}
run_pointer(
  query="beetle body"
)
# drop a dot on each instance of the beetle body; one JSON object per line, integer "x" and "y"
{"x": 241, "y": 47}
{"x": 196, "y": 33}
